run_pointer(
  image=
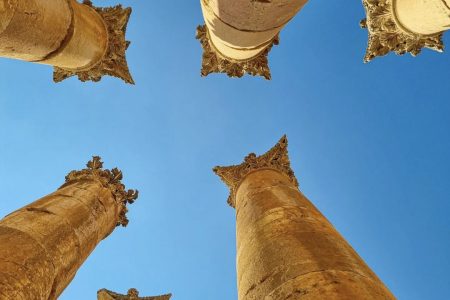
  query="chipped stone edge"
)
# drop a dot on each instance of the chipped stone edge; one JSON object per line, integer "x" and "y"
{"x": 386, "y": 34}
{"x": 276, "y": 158}
{"x": 214, "y": 62}
{"x": 110, "y": 179}
{"x": 114, "y": 62}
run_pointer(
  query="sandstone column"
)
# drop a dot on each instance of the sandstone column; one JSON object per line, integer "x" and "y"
{"x": 77, "y": 39}
{"x": 239, "y": 34}
{"x": 286, "y": 249}
{"x": 132, "y": 294}
{"x": 43, "y": 244}
{"x": 405, "y": 26}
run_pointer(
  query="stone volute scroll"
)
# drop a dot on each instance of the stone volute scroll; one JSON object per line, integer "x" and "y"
{"x": 132, "y": 294}
{"x": 404, "y": 26}
{"x": 276, "y": 158}
{"x": 77, "y": 39}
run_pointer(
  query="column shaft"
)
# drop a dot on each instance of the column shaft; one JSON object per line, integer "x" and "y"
{"x": 286, "y": 249}
{"x": 77, "y": 39}
{"x": 44, "y": 243}
{"x": 62, "y": 33}
{"x": 241, "y": 29}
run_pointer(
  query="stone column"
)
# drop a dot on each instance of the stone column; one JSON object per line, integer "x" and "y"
{"x": 286, "y": 249}
{"x": 405, "y": 26}
{"x": 132, "y": 294}
{"x": 77, "y": 39}
{"x": 239, "y": 34}
{"x": 44, "y": 243}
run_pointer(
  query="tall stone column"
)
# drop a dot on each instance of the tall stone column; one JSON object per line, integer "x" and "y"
{"x": 239, "y": 34}
{"x": 132, "y": 294}
{"x": 405, "y": 26}
{"x": 77, "y": 39}
{"x": 43, "y": 244}
{"x": 286, "y": 249}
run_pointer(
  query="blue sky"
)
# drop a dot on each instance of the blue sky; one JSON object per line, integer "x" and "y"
{"x": 369, "y": 145}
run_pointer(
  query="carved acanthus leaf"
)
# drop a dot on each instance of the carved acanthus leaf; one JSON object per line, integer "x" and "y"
{"x": 132, "y": 294}
{"x": 114, "y": 62}
{"x": 276, "y": 158}
{"x": 214, "y": 62}
{"x": 110, "y": 179}
{"x": 386, "y": 35}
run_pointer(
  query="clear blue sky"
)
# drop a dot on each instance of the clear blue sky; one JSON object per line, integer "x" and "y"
{"x": 369, "y": 144}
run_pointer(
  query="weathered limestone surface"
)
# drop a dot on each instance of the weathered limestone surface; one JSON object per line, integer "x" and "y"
{"x": 238, "y": 34}
{"x": 78, "y": 39}
{"x": 405, "y": 26}
{"x": 286, "y": 249}
{"x": 44, "y": 243}
{"x": 423, "y": 16}
{"x": 132, "y": 294}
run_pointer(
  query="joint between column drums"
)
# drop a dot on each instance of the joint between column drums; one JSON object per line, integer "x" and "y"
{"x": 215, "y": 62}
{"x": 107, "y": 34}
{"x": 113, "y": 62}
{"x": 66, "y": 39}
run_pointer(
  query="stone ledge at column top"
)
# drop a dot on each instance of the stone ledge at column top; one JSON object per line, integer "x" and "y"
{"x": 386, "y": 35}
{"x": 110, "y": 179}
{"x": 114, "y": 61}
{"x": 214, "y": 62}
{"x": 132, "y": 294}
{"x": 276, "y": 158}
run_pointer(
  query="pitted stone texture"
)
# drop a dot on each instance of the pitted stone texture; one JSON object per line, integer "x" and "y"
{"x": 32, "y": 29}
{"x": 76, "y": 38}
{"x": 43, "y": 244}
{"x": 255, "y": 15}
{"x": 286, "y": 249}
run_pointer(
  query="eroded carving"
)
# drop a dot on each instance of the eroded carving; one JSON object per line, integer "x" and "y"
{"x": 110, "y": 179}
{"x": 114, "y": 62}
{"x": 132, "y": 294}
{"x": 276, "y": 158}
{"x": 385, "y": 35}
{"x": 214, "y": 62}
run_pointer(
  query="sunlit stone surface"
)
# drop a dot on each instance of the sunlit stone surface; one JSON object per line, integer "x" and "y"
{"x": 238, "y": 34}
{"x": 405, "y": 26}
{"x": 44, "y": 243}
{"x": 77, "y": 39}
{"x": 286, "y": 249}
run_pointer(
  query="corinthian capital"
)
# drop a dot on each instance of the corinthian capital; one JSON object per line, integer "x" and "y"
{"x": 110, "y": 179}
{"x": 276, "y": 158}
{"x": 132, "y": 294}
{"x": 387, "y": 34}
